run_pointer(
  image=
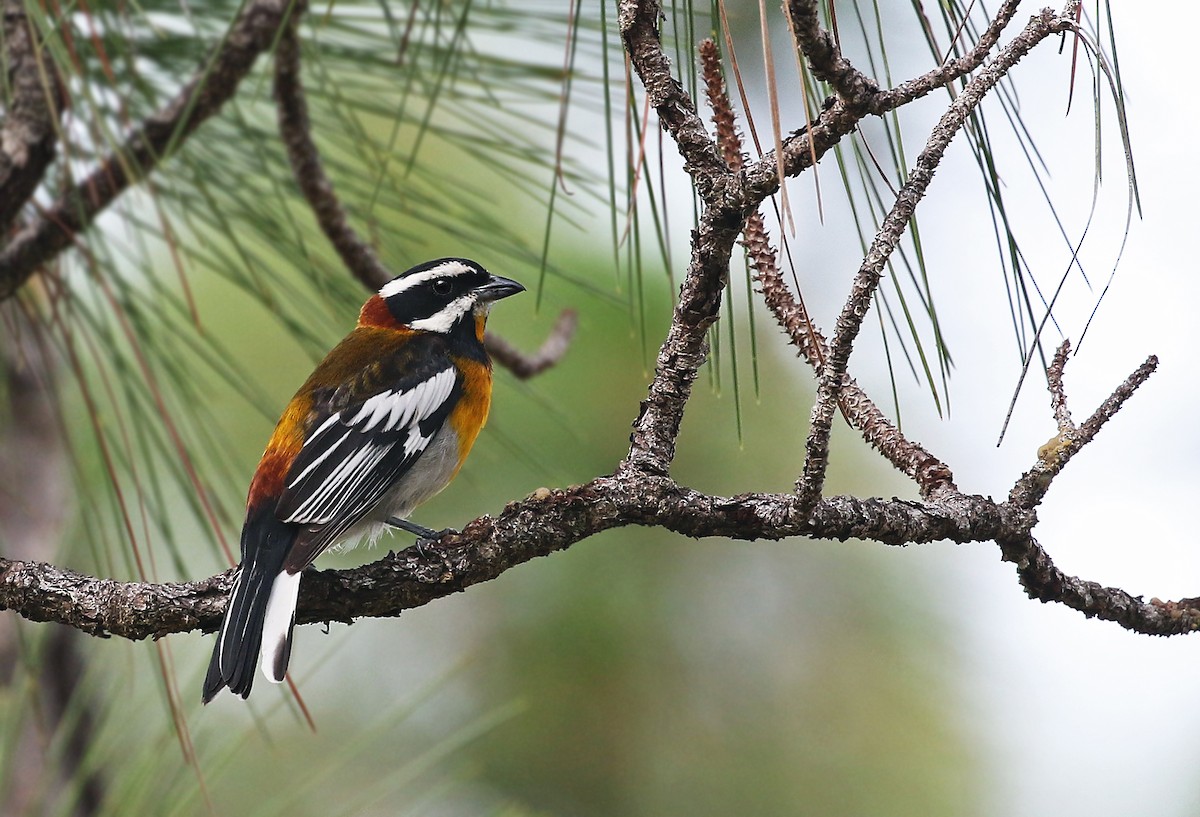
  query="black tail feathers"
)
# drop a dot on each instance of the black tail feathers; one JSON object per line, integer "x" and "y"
{"x": 265, "y": 544}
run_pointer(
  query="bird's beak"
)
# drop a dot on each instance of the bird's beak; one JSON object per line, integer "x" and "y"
{"x": 498, "y": 287}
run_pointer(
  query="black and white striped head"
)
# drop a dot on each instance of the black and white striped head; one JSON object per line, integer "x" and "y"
{"x": 437, "y": 295}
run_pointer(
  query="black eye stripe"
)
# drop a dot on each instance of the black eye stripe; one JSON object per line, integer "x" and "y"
{"x": 433, "y": 290}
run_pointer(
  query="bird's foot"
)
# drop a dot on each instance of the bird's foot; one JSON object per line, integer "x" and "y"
{"x": 425, "y": 536}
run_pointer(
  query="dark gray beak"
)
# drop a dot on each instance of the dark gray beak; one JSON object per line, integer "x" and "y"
{"x": 498, "y": 287}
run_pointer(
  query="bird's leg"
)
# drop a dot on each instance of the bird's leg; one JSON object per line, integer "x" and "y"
{"x": 412, "y": 527}
{"x": 424, "y": 535}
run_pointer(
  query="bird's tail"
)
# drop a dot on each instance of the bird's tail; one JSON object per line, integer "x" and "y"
{"x": 260, "y": 614}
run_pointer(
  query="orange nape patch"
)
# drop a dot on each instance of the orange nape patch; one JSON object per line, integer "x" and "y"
{"x": 471, "y": 413}
{"x": 375, "y": 312}
{"x": 282, "y": 448}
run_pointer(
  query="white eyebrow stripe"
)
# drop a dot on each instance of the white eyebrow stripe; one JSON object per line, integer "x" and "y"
{"x": 443, "y": 270}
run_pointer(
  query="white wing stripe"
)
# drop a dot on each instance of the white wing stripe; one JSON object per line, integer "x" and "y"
{"x": 332, "y": 419}
{"x": 353, "y": 479}
{"x": 402, "y": 410}
{"x": 397, "y": 409}
{"x": 324, "y": 456}
{"x": 415, "y": 441}
{"x": 335, "y": 480}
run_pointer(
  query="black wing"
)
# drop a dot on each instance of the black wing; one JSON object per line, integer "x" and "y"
{"x": 372, "y": 435}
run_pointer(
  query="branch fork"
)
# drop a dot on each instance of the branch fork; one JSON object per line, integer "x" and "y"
{"x": 641, "y": 490}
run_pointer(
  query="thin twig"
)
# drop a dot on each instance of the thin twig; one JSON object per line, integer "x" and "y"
{"x": 1058, "y": 393}
{"x": 930, "y": 473}
{"x": 866, "y": 281}
{"x": 295, "y": 128}
{"x": 804, "y": 148}
{"x": 949, "y": 71}
{"x": 1031, "y": 488}
{"x": 524, "y": 366}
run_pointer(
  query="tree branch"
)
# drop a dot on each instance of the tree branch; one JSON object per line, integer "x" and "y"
{"x": 638, "y": 20}
{"x": 867, "y": 279}
{"x": 35, "y": 100}
{"x": 525, "y": 366}
{"x": 1043, "y": 581}
{"x": 537, "y": 526}
{"x": 294, "y": 126}
{"x": 210, "y": 87}
{"x": 652, "y": 443}
{"x": 859, "y": 410}
{"x": 826, "y": 59}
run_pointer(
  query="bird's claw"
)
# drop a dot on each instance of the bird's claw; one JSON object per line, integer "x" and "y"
{"x": 434, "y": 537}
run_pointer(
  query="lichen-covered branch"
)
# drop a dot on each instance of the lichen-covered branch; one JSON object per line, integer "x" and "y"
{"x": 825, "y": 58}
{"x": 638, "y": 20}
{"x": 1044, "y": 581}
{"x": 1053, "y": 457}
{"x": 652, "y": 443}
{"x": 536, "y": 526}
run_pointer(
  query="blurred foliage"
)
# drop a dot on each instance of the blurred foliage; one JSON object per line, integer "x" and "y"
{"x": 638, "y": 674}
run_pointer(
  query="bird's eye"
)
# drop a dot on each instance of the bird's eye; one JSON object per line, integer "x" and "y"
{"x": 442, "y": 286}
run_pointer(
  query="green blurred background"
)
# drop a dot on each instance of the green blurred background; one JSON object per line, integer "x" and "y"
{"x": 637, "y": 673}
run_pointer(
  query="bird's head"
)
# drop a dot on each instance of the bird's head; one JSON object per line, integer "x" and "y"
{"x": 438, "y": 296}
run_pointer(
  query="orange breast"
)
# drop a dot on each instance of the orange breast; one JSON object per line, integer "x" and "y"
{"x": 471, "y": 413}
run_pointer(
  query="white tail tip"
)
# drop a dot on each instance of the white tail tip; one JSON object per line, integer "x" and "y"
{"x": 277, "y": 626}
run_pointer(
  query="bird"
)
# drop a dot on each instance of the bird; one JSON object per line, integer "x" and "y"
{"x": 382, "y": 424}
